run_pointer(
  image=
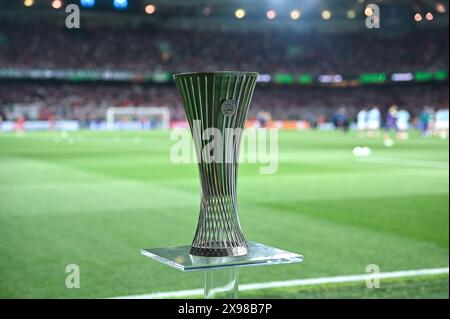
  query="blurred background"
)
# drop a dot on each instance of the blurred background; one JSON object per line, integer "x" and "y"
{"x": 85, "y": 121}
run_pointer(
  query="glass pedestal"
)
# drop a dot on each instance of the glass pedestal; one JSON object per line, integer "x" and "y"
{"x": 221, "y": 273}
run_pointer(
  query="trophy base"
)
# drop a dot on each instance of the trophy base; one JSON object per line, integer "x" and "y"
{"x": 221, "y": 272}
{"x": 180, "y": 257}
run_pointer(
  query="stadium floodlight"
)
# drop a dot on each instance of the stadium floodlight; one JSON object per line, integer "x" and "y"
{"x": 216, "y": 105}
{"x": 56, "y": 4}
{"x": 295, "y": 14}
{"x": 271, "y": 14}
{"x": 28, "y": 3}
{"x": 351, "y": 14}
{"x": 120, "y": 4}
{"x": 440, "y": 8}
{"x": 159, "y": 116}
{"x": 240, "y": 13}
{"x": 87, "y": 3}
{"x": 150, "y": 9}
{"x": 326, "y": 14}
{"x": 368, "y": 11}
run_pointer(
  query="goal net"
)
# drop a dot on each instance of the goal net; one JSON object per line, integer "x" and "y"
{"x": 137, "y": 118}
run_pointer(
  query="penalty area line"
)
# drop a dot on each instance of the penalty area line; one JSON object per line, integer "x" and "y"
{"x": 298, "y": 282}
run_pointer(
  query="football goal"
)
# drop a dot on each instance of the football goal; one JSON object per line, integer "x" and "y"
{"x": 139, "y": 117}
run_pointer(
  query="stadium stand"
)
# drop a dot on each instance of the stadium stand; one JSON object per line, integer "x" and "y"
{"x": 174, "y": 51}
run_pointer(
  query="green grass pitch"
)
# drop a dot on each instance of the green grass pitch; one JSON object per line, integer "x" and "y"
{"x": 94, "y": 199}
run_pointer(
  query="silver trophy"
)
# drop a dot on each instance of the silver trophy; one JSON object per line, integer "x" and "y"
{"x": 216, "y": 105}
{"x": 217, "y": 102}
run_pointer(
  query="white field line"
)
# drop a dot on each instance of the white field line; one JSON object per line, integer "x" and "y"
{"x": 298, "y": 282}
{"x": 406, "y": 162}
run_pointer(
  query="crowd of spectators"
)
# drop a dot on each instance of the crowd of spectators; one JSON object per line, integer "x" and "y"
{"x": 41, "y": 45}
{"x": 146, "y": 49}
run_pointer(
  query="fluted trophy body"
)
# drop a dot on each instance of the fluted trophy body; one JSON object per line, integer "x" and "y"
{"x": 216, "y": 106}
